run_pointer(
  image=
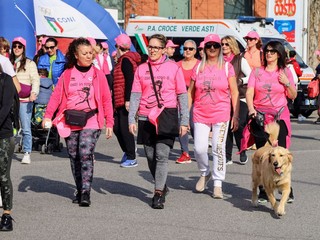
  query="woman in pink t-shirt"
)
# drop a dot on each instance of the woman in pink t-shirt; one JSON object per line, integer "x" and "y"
{"x": 268, "y": 89}
{"x": 171, "y": 92}
{"x": 187, "y": 65}
{"x": 213, "y": 89}
{"x": 253, "y": 52}
{"x": 84, "y": 88}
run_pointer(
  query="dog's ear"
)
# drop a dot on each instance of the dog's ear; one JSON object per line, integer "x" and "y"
{"x": 269, "y": 155}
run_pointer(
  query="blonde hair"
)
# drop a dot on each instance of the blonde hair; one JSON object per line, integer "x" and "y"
{"x": 204, "y": 60}
{"x": 232, "y": 44}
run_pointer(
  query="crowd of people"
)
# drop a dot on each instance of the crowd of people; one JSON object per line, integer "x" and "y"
{"x": 215, "y": 98}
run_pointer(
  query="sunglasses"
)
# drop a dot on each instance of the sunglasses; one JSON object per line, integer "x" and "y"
{"x": 250, "y": 39}
{"x": 271, "y": 51}
{"x": 188, "y": 48}
{"x": 154, "y": 48}
{"x": 51, "y": 47}
{"x": 225, "y": 44}
{"x": 214, "y": 45}
{"x": 17, "y": 46}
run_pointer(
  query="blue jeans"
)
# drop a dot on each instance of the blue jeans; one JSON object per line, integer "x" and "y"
{"x": 25, "y": 120}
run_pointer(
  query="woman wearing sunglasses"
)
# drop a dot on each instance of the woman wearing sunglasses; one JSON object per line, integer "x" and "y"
{"x": 269, "y": 87}
{"x": 27, "y": 74}
{"x": 171, "y": 92}
{"x": 213, "y": 90}
{"x": 53, "y": 60}
{"x": 231, "y": 54}
{"x": 187, "y": 65}
{"x": 253, "y": 52}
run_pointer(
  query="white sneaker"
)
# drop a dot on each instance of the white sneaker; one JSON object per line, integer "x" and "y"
{"x": 301, "y": 118}
{"x": 26, "y": 159}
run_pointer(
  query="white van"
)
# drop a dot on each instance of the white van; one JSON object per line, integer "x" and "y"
{"x": 178, "y": 30}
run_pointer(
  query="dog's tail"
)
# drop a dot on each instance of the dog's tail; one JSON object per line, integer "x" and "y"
{"x": 273, "y": 129}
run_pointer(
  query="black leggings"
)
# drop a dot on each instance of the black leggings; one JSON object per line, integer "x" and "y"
{"x": 260, "y": 136}
{"x": 6, "y": 153}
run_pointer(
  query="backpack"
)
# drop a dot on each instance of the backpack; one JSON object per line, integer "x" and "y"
{"x": 14, "y": 112}
{"x": 313, "y": 89}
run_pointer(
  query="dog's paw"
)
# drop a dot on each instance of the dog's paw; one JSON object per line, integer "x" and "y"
{"x": 280, "y": 210}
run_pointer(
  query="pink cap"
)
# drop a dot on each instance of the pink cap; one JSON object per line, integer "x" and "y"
{"x": 105, "y": 45}
{"x": 123, "y": 40}
{"x": 114, "y": 53}
{"x": 317, "y": 52}
{"x": 20, "y": 40}
{"x": 201, "y": 45}
{"x": 92, "y": 41}
{"x": 252, "y": 34}
{"x": 211, "y": 38}
{"x": 171, "y": 44}
{"x": 43, "y": 41}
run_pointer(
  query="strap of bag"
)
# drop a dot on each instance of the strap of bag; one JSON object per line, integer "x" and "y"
{"x": 154, "y": 85}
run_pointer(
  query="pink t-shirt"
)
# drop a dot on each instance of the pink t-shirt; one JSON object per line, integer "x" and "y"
{"x": 212, "y": 100}
{"x": 169, "y": 83}
{"x": 187, "y": 73}
{"x": 81, "y": 96}
{"x": 268, "y": 91}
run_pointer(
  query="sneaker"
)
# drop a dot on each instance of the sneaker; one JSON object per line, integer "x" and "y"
{"x": 26, "y": 158}
{"x": 202, "y": 183}
{"x": 165, "y": 192}
{"x": 85, "y": 199}
{"x": 291, "y": 197}
{"x": 184, "y": 158}
{"x": 6, "y": 222}
{"x": 301, "y": 118}
{"x": 158, "y": 200}
{"x": 129, "y": 163}
{"x": 262, "y": 197}
{"x": 124, "y": 158}
{"x": 77, "y": 198}
{"x": 243, "y": 158}
{"x": 229, "y": 162}
{"x": 317, "y": 121}
{"x": 217, "y": 193}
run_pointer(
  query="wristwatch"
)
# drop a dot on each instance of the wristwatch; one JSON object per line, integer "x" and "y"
{"x": 287, "y": 84}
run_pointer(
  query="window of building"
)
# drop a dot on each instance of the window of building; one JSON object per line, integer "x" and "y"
{"x": 236, "y": 8}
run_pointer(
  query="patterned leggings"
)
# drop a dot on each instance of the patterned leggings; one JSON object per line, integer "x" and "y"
{"x": 80, "y": 147}
{"x": 6, "y": 152}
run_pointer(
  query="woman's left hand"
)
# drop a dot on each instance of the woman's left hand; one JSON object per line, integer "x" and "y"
{"x": 234, "y": 124}
{"x": 183, "y": 130}
{"x": 109, "y": 132}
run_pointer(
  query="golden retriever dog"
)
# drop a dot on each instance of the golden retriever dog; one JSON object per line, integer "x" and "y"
{"x": 271, "y": 167}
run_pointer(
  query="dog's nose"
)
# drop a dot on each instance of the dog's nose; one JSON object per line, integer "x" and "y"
{"x": 275, "y": 164}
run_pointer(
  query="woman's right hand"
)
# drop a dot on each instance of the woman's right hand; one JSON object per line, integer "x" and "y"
{"x": 252, "y": 113}
{"x": 133, "y": 128}
{"x": 46, "y": 123}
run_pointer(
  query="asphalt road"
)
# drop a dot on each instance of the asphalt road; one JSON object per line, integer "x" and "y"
{"x": 121, "y": 199}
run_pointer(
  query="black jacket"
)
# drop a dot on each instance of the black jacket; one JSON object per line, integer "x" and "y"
{"x": 7, "y": 90}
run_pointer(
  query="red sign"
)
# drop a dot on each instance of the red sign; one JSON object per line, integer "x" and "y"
{"x": 285, "y": 8}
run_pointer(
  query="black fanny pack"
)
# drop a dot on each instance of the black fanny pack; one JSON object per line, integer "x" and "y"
{"x": 77, "y": 117}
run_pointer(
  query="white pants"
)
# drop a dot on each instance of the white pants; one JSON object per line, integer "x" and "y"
{"x": 219, "y": 137}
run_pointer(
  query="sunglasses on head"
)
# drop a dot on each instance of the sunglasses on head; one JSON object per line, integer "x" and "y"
{"x": 250, "y": 39}
{"x": 214, "y": 45}
{"x": 17, "y": 46}
{"x": 271, "y": 51}
{"x": 225, "y": 44}
{"x": 51, "y": 47}
{"x": 188, "y": 48}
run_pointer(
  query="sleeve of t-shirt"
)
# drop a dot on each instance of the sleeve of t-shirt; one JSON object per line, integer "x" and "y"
{"x": 136, "y": 86}
{"x": 252, "y": 78}
{"x": 231, "y": 71}
{"x": 7, "y": 67}
{"x": 127, "y": 69}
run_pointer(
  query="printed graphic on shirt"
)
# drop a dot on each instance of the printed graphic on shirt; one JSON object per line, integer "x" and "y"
{"x": 268, "y": 88}
{"x": 152, "y": 100}
{"x": 206, "y": 96}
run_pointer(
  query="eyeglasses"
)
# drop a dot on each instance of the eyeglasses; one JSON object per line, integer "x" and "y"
{"x": 17, "y": 46}
{"x": 51, "y": 47}
{"x": 250, "y": 39}
{"x": 271, "y": 51}
{"x": 225, "y": 44}
{"x": 154, "y": 48}
{"x": 200, "y": 49}
{"x": 188, "y": 48}
{"x": 214, "y": 45}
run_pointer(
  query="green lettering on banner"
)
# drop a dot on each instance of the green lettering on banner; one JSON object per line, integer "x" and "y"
{"x": 207, "y": 29}
{"x": 191, "y": 28}
{"x": 167, "y": 28}
{"x": 151, "y": 28}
